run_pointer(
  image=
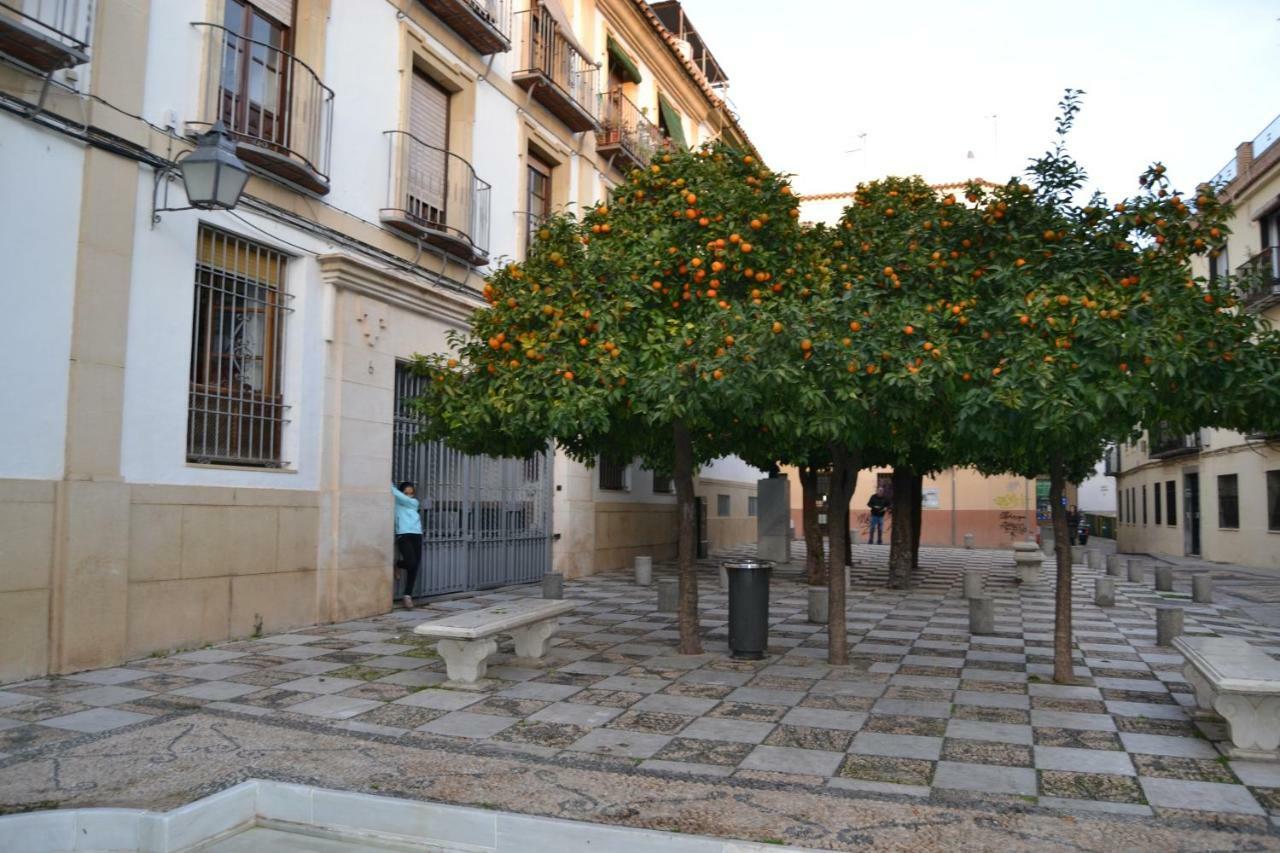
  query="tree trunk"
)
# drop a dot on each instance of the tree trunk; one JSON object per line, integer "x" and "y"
{"x": 682, "y": 474}
{"x": 917, "y": 519}
{"x": 838, "y": 509}
{"x": 900, "y": 537}
{"x": 815, "y": 565}
{"x": 1063, "y": 670}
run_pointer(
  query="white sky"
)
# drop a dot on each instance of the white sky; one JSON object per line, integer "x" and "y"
{"x": 1182, "y": 81}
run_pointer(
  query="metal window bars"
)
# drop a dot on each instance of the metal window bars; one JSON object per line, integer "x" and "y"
{"x": 46, "y": 34}
{"x": 624, "y": 126}
{"x": 274, "y": 104}
{"x": 434, "y": 192}
{"x": 236, "y": 409}
{"x": 556, "y": 60}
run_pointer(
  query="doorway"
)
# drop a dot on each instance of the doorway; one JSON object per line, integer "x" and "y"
{"x": 1191, "y": 513}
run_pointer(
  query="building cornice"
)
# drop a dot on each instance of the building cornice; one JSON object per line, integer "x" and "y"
{"x": 350, "y": 272}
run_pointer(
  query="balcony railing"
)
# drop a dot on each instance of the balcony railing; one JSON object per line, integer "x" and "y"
{"x": 272, "y": 103}
{"x": 558, "y": 74}
{"x": 626, "y": 132}
{"x": 435, "y": 195}
{"x": 1259, "y": 280}
{"x": 46, "y": 35}
{"x": 484, "y": 24}
{"x": 1163, "y": 445}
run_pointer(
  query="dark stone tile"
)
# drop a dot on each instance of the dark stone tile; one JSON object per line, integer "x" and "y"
{"x": 806, "y": 737}
{"x": 1161, "y": 698}
{"x": 30, "y": 736}
{"x": 260, "y": 661}
{"x": 931, "y": 671}
{"x": 265, "y": 677}
{"x": 1015, "y": 716}
{"x": 986, "y": 752}
{"x": 1187, "y": 769}
{"x": 1090, "y": 786}
{"x": 922, "y": 694}
{"x": 775, "y": 683}
{"x": 877, "y": 768}
{"x": 345, "y": 658}
{"x": 400, "y": 716}
{"x": 558, "y": 735}
{"x": 359, "y": 673}
{"x": 651, "y": 722}
{"x": 606, "y": 698}
{"x": 49, "y": 688}
{"x": 1230, "y": 821}
{"x": 506, "y": 706}
{"x": 1150, "y": 726}
{"x": 705, "y": 751}
{"x": 700, "y": 691}
{"x": 1077, "y": 739}
{"x": 897, "y": 724}
{"x": 837, "y": 703}
{"x": 41, "y": 709}
{"x": 1268, "y": 797}
{"x": 1081, "y": 706}
{"x": 165, "y": 703}
{"x": 572, "y": 679}
{"x": 274, "y": 698}
{"x": 993, "y": 686}
{"x": 160, "y": 663}
{"x": 747, "y": 711}
{"x": 380, "y": 692}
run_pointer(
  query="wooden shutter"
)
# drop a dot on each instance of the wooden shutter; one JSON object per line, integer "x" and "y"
{"x": 281, "y": 10}
{"x": 428, "y": 172}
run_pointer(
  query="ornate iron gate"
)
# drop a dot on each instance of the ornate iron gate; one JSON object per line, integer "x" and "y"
{"x": 486, "y": 521}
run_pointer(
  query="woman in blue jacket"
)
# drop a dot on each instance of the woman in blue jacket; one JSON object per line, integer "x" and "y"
{"x": 408, "y": 536}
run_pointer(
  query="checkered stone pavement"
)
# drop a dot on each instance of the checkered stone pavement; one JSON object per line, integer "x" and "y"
{"x": 924, "y": 709}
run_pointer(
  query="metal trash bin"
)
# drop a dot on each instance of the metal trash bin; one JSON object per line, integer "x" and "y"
{"x": 748, "y": 608}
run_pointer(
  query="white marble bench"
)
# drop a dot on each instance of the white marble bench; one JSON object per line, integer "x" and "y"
{"x": 467, "y": 638}
{"x": 1241, "y": 684}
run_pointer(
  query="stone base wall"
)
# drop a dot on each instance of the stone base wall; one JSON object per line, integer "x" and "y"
{"x": 990, "y": 528}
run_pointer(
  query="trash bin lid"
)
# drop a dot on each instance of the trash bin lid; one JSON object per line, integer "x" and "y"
{"x": 747, "y": 565}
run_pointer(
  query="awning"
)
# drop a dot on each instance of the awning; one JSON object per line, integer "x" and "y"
{"x": 671, "y": 118}
{"x": 630, "y": 73}
{"x": 556, "y": 9}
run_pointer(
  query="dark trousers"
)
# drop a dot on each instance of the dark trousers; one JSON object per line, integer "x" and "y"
{"x": 410, "y": 547}
{"x": 876, "y": 529}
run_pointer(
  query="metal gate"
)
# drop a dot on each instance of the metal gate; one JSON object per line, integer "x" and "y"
{"x": 486, "y": 521}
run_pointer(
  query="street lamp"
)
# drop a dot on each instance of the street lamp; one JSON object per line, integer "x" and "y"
{"x": 213, "y": 176}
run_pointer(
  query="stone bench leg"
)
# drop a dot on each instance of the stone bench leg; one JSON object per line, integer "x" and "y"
{"x": 1204, "y": 693}
{"x": 466, "y": 660}
{"x": 1253, "y": 724}
{"x": 531, "y": 640}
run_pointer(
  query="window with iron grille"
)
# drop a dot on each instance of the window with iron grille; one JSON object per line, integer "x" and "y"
{"x": 1155, "y": 493}
{"x": 661, "y": 484}
{"x": 236, "y": 412}
{"x": 1273, "y": 500}
{"x": 613, "y": 475}
{"x": 1171, "y": 503}
{"x": 753, "y": 506}
{"x": 723, "y": 505}
{"x": 1144, "y": 506}
{"x": 1228, "y": 501}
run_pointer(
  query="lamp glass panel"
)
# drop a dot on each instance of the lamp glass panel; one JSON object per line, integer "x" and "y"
{"x": 200, "y": 177}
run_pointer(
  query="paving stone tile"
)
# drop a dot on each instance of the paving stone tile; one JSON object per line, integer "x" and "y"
{"x": 896, "y": 746}
{"x": 837, "y": 703}
{"x": 113, "y": 675}
{"x": 467, "y": 725}
{"x": 1090, "y": 786}
{"x": 443, "y": 700}
{"x": 41, "y": 709}
{"x": 621, "y": 743}
{"x": 806, "y": 737}
{"x": 742, "y": 731}
{"x": 398, "y": 716}
{"x": 1261, "y": 773}
{"x": 1007, "y": 716}
{"x": 215, "y": 671}
{"x": 887, "y": 770}
{"x": 685, "y": 767}
{"x": 1083, "y": 760}
{"x": 783, "y": 759}
{"x": 209, "y": 655}
{"x": 105, "y": 695}
{"x": 21, "y": 738}
{"x": 998, "y": 732}
{"x": 654, "y": 722}
{"x": 219, "y": 691}
{"x": 991, "y": 700}
{"x": 1077, "y": 738}
{"x": 743, "y": 711}
{"x": 94, "y": 720}
{"x": 321, "y": 684}
{"x": 1199, "y": 796}
{"x": 1069, "y": 720}
{"x": 1184, "y": 747}
{"x": 631, "y": 685}
{"x": 687, "y": 705}
{"x": 764, "y": 696}
{"x": 826, "y": 719}
{"x": 606, "y": 698}
{"x": 539, "y": 690}
{"x": 985, "y": 778}
{"x": 333, "y": 707}
{"x": 895, "y": 725}
{"x": 586, "y": 716}
{"x": 507, "y": 706}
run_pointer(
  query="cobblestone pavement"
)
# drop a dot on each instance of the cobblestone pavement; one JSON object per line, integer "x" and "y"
{"x": 928, "y": 727}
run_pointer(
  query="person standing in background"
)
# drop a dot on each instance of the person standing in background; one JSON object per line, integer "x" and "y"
{"x": 408, "y": 536}
{"x": 879, "y": 505}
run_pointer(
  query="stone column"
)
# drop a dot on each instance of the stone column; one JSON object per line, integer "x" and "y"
{"x": 818, "y": 605}
{"x": 644, "y": 570}
{"x": 1104, "y": 592}
{"x": 972, "y": 583}
{"x": 553, "y": 585}
{"x": 1164, "y": 579}
{"x": 1115, "y": 565}
{"x": 668, "y": 595}
{"x": 1137, "y": 570}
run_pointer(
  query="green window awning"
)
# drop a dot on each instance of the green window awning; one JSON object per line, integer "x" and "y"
{"x": 671, "y": 118}
{"x": 630, "y": 73}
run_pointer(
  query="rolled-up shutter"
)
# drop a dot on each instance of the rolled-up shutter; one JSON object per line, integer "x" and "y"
{"x": 429, "y": 125}
{"x": 281, "y": 10}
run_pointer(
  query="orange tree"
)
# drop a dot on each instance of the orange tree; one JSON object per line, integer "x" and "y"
{"x": 1087, "y": 322}
{"x": 642, "y": 331}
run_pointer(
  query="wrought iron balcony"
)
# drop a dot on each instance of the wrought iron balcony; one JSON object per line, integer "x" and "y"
{"x": 277, "y": 109}
{"x": 46, "y": 35}
{"x": 556, "y": 71}
{"x": 435, "y": 196}
{"x": 1259, "y": 280}
{"x": 484, "y": 24}
{"x": 625, "y": 134}
{"x": 1162, "y": 445}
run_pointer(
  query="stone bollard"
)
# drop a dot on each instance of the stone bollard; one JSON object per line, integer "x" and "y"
{"x": 982, "y": 615}
{"x": 1164, "y": 579}
{"x": 668, "y": 595}
{"x": 553, "y": 585}
{"x": 1168, "y": 625}
{"x": 644, "y": 570}
{"x": 1115, "y": 565}
{"x": 1077, "y": 555}
{"x": 1104, "y": 592}
{"x": 1097, "y": 560}
{"x": 972, "y": 583}
{"x": 1137, "y": 570}
{"x": 818, "y": 605}
{"x": 724, "y": 578}
{"x": 1202, "y": 589}
{"x": 968, "y": 541}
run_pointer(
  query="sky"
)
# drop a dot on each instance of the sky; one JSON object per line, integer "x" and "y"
{"x": 930, "y": 83}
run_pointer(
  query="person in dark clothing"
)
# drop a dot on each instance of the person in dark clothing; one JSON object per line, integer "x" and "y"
{"x": 1073, "y": 523}
{"x": 879, "y": 505}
